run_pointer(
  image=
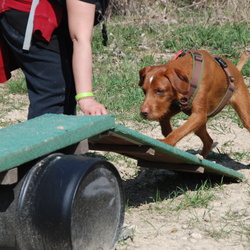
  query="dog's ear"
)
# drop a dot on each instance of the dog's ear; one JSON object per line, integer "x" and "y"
{"x": 178, "y": 80}
{"x": 143, "y": 73}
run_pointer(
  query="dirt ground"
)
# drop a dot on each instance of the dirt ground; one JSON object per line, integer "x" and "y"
{"x": 221, "y": 223}
{"x": 160, "y": 215}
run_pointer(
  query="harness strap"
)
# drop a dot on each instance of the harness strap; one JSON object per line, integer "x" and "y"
{"x": 230, "y": 89}
{"x": 195, "y": 81}
{"x": 198, "y": 67}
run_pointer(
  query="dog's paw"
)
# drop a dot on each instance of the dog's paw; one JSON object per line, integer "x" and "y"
{"x": 162, "y": 140}
{"x": 166, "y": 141}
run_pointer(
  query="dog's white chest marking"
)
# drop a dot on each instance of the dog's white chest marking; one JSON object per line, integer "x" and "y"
{"x": 151, "y": 79}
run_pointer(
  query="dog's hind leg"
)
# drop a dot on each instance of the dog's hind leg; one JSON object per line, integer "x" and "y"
{"x": 202, "y": 133}
{"x": 240, "y": 101}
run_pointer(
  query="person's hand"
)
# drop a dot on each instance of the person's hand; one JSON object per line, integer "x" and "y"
{"x": 90, "y": 106}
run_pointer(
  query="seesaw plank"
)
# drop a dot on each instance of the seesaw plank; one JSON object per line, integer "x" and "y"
{"x": 153, "y": 153}
{"x": 32, "y": 139}
{"x": 40, "y": 136}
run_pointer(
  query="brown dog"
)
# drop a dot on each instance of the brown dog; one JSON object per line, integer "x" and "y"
{"x": 166, "y": 85}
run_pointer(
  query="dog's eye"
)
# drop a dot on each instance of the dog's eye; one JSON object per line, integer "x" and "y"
{"x": 159, "y": 91}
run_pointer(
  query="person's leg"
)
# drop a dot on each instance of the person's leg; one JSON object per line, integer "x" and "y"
{"x": 48, "y": 75}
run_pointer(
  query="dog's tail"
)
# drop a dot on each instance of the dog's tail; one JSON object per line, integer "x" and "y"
{"x": 243, "y": 59}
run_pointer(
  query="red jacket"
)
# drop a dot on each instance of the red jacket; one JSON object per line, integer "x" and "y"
{"x": 47, "y": 18}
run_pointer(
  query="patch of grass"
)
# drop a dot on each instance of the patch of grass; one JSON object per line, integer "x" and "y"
{"x": 183, "y": 198}
{"x": 117, "y": 159}
{"x": 232, "y": 223}
{"x": 200, "y": 197}
{"x": 5, "y": 124}
{"x": 17, "y": 86}
{"x": 238, "y": 156}
{"x": 227, "y": 40}
{"x": 121, "y": 90}
{"x": 220, "y": 233}
{"x": 10, "y": 100}
{"x": 223, "y": 155}
{"x": 232, "y": 215}
{"x": 157, "y": 200}
{"x": 127, "y": 207}
{"x": 155, "y": 230}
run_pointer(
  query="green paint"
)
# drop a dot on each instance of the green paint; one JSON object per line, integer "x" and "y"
{"x": 37, "y": 137}
{"x": 176, "y": 153}
{"x": 32, "y": 139}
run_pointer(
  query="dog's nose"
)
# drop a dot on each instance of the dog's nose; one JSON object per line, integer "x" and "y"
{"x": 144, "y": 115}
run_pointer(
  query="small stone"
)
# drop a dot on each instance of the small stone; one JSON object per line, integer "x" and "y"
{"x": 196, "y": 236}
{"x": 174, "y": 230}
{"x": 184, "y": 238}
{"x": 174, "y": 238}
{"x": 127, "y": 232}
{"x": 193, "y": 240}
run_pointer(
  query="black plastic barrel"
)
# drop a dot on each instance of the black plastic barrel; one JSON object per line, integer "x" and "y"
{"x": 68, "y": 202}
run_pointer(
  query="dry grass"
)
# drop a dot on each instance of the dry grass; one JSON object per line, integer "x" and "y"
{"x": 225, "y": 10}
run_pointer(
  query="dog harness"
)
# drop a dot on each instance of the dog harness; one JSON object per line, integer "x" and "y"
{"x": 198, "y": 66}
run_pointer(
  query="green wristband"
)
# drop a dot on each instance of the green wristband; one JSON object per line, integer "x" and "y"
{"x": 84, "y": 94}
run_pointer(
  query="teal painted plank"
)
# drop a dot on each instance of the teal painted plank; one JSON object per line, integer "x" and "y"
{"x": 176, "y": 153}
{"x": 34, "y": 138}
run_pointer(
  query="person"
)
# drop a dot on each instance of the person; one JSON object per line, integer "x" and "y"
{"x": 58, "y": 63}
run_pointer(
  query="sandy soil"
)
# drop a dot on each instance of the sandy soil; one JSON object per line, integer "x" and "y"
{"x": 221, "y": 223}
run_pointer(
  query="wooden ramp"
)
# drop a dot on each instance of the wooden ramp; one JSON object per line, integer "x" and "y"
{"x": 153, "y": 153}
{"x": 32, "y": 139}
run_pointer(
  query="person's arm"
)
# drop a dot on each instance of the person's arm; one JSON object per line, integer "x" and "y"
{"x": 80, "y": 21}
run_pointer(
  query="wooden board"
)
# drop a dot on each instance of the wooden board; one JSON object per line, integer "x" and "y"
{"x": 37, "y": 137}
{"x": 49, "y": 133}
{"x": 153, "y": 153}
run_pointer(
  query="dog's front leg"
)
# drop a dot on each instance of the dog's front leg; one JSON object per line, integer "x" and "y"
{"x": 193, "y": 124}
{"x": 166, "y": 127}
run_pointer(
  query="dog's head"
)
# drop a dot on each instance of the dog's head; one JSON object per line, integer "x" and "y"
{"x": 161, "y": 85}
